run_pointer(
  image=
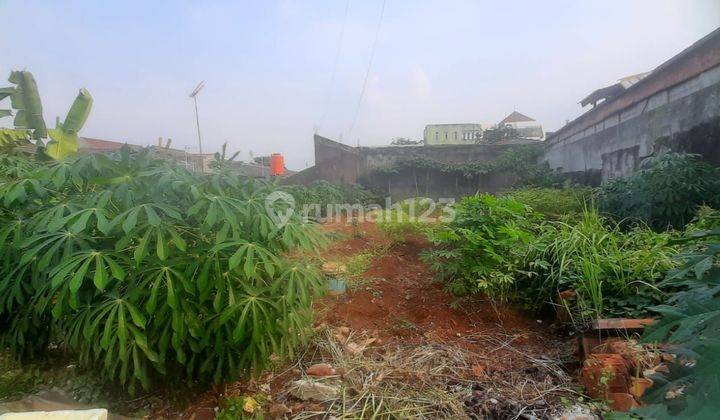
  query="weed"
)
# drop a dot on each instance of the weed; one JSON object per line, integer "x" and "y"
{"x": 665, "y": 192}
{"x": 242, "y": 408}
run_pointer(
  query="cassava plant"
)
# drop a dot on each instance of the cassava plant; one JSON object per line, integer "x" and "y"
{"x": 145, "y": 270}
{"x": 479, "y": 250}
{"x": 665, "y": 193}
{"x": 690, "y": 323}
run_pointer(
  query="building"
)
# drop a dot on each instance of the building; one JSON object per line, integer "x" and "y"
{"x": 452, "y": 133}
{"x": 523, "y": 126}
{"x": 628, "y": 118}
{"x": 191, "y": 161}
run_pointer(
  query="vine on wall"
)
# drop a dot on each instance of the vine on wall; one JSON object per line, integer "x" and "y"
{"x": 520, "y": 161}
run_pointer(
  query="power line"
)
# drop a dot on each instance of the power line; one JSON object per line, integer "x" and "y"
{"x": 367, "y": 73}
{"x": 328, "y": 100}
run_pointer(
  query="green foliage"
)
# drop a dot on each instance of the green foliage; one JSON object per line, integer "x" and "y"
{"x": 316, "y": 197}
{"x": 16, "y": 382}
{"x": 612, "y": 271}
{"x": 665, "y": 192}
{"x": 25, "y": 99}
{"x": 65, "y": 136}
{"x": 406, "y": 218}
{"x": 242, "y": 408}
{"x": 554, "y": 203}
{"x": 690, "y": 322}
{"x": 10, "y": 138}
{"x": 145, "y": 270}
{"x": 29, "y": 122}
{"x": 521, "y": 161}
{"x": 479, "y": 250}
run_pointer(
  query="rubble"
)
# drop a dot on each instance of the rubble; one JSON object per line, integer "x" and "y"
{"x": 307, "y": 389}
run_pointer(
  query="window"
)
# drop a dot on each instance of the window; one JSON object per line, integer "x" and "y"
{"x": 455, "y": 133}
{"x": 436, "y": 135}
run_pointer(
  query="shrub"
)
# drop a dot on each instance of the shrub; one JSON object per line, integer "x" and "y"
{"x": 320, "y": 194}
{"x": 479, "y": 250}
{"x": 554, "y": 203}
{"x": 408, "y": 217}
{"x": 144, "y": 270}
{"x": 611, "y": 271}
{"x": 690, "y": 323}
{"x": 665, "y": 192}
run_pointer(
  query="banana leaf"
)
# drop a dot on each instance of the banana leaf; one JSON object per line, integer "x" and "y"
{"x": 62, "y": 144}
{"x": 64, "y": 138}
{"x": 79, "y": 112}
{"x": 26, "y": 99}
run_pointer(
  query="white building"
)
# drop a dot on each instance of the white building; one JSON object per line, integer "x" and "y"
{"x": 452, "y": 133}
{"x": 526, "y": 127}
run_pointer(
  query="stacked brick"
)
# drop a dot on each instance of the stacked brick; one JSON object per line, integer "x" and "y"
{"x": 614, "y": 368}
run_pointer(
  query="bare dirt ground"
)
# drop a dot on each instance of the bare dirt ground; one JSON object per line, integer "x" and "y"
{"x": 403, "y": 347}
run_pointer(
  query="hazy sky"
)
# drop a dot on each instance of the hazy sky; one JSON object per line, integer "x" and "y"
{"x": 269, "y": 65}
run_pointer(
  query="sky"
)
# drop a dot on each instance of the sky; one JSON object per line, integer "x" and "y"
{"x": 278, "y": 71}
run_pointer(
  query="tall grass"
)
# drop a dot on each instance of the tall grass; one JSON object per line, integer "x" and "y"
{"x": 610, "y": 270}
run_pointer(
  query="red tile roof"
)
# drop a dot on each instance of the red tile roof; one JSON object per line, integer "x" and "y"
{"x": 97, "y": 145}
{"x": 515, "y": 117}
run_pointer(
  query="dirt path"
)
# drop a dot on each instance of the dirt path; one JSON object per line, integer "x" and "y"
{"x": 399, "y": 297}
{"x": 428, "y": 354}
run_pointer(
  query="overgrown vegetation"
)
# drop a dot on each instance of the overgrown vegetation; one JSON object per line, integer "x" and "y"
{"x": 408, "y": 218}
{"x": 481, "y": 248}
{"x": 612, "y": 272}
{"x": 665, "y": 193}
{"x": 29, "y": 122}
{"x": 144, "y": 270}
{"x": 555, "y": 203}
{"x": 504, "y": 249}
{"x": 690, "y": 323}
{"x": 321, "y": 197}
{"x": 520, "y": 161}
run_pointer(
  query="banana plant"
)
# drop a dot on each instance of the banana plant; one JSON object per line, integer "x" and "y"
{"x": 29, "y": 122}
{"x": 11, "y": 137}
{"x": 64, "y": 137}
{"x": 24, "y": 98}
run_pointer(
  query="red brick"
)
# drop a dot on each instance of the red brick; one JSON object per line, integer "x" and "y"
{"x": 591, "y": 343}
{"x": 638, "y": 386}
{"x": 621, "y": 324}
{"x": 603, "y": 374}
{"x": 321, "y": 369}
{"x": 621, "y": 401}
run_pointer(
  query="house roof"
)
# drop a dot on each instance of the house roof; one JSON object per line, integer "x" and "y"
{"x": 98, "y": 145}
{"x": 613, "y": 90}
{"x": 515, "y": 117}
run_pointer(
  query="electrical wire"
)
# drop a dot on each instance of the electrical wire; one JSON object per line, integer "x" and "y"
{"x": 367, "y": 73}
{"x": 329, "y": 98}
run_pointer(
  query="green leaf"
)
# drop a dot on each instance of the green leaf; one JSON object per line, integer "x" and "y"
{"x": 101, "y": 278}
{"x": 130, "y": 221}
{"x": 77, "y": 279}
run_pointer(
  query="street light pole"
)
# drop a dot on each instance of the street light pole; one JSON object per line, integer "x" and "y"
{"x": 193, "y": 95}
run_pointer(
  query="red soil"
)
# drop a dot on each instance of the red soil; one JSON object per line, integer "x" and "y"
{"x": 398, "y": 301}
{"x": 399, "y": 297}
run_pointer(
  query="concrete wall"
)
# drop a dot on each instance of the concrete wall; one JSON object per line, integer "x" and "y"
{"x": 610, "y": 140}
{"x": 615, "y": 145}
{"x": 339, "y": 163}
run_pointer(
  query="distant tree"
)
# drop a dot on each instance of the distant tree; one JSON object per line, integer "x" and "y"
{"x": 404, "y": 141}
{"x": 499, "y": 134}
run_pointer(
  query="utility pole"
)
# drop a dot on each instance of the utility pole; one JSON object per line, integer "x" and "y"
{"x": 193, "y": 95}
